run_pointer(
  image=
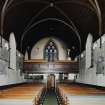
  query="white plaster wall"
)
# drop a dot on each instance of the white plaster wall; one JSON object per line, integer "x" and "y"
{"x": 3, "y": 69}
{"x": 4, "y": 53}
{"x": 37, "y": 51}
{"x": 3, "y": 79}
{"x": 7, "y": 75}
{"x": 14, "y": 77}
{"x": 10, "y": 76}
{"x": 88, "y": 75}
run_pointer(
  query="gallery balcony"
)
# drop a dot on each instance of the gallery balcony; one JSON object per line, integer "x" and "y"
{"x": 42, "y": 66}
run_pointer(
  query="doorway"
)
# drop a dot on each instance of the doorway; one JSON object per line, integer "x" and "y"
{"x": 51, "y": 82}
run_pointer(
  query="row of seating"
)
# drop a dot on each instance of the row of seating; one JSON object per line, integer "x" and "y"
{"x": 62, "y": 99}
{"x": 75, "y": 89}
{"x": 26, "y": 91}
{"x": 68, "y": 91}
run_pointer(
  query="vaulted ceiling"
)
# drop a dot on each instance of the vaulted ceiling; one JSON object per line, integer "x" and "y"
{"x": 68, "y": 20}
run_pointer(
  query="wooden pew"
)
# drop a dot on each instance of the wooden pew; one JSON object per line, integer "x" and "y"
{"x": 30, "y": 93}
{"x": 75, "y": 92}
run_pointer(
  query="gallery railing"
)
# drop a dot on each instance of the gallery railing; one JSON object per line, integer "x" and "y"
{"x": 45, "y": 67}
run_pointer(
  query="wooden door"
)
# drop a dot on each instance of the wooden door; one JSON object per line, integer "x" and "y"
{"x": 51, "y": 81}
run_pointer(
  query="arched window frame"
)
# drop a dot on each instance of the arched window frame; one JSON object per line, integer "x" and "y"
{"x": 48, "y": 53}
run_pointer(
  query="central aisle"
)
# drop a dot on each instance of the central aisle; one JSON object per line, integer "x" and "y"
{"x": 50, "y": 98}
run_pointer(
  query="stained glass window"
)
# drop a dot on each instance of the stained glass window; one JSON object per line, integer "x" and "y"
{"x": 51, "y": 52}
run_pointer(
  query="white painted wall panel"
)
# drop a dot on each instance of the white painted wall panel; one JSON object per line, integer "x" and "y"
{"x": 37, "y": 51}
{"x": 89, "y": 75}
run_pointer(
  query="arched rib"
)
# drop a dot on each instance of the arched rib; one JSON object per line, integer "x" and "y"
{"x": 46, "y": 19}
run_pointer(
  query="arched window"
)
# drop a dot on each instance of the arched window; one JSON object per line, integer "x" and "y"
{"x": 51, "y": 51}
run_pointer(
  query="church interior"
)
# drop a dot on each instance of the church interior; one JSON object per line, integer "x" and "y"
{"x": 52, "y": 52}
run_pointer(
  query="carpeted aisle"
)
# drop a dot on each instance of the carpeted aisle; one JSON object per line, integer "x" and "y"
{"x": 50, "y": 98}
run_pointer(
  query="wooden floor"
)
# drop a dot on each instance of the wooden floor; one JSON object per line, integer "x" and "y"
{"x": 26, "y": 94}
{"x": 75, "y": 94}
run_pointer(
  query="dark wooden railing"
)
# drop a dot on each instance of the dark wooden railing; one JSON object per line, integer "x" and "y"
{"x": 51, "y": 67}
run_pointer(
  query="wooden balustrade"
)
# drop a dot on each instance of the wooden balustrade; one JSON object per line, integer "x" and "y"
{"x": 55, "y": 67}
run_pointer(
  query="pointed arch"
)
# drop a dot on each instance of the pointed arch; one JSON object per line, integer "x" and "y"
{"x": 51, "y": 19}
{"x": 50, "y": 51}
